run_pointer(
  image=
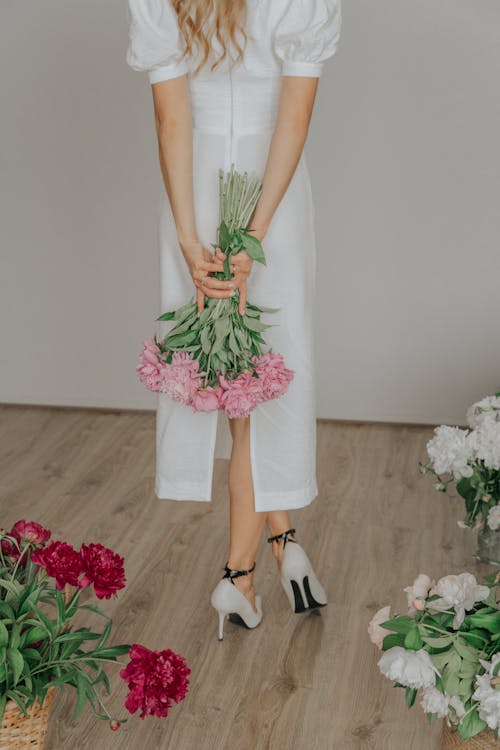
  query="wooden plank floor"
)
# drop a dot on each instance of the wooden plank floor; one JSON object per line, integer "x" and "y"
{"x": 301, "y": 682}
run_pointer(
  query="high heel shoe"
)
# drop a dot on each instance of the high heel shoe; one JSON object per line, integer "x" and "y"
{"x": 298, "y": 578}
{"x": 229, "y": 601}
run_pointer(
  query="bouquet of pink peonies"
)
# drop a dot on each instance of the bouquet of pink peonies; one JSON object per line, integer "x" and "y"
{"x": 215, "y": 360}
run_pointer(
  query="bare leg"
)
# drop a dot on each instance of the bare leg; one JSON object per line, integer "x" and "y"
{"x": 245, "y": 524}
{"x": 277, "y": 522}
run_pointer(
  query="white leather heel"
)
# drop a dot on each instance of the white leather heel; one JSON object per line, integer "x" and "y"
{"x": 301, "y": 585}
{"x": 230, "y": 602}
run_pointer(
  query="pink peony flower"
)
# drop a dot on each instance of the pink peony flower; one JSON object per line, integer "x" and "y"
{"x": 274, "y": 375}
{"x": 103, "y": 568}
{"x": 155, "y": 679}
{"x": 180, "y": 379}
{"x": 61, "y": 562}
{"x": 151, "y": 366}
{"x": 206, "y": 399}
{"x": 417, "y": 593}
{"x": 240, "y": 395}
{"x": 375, "y": 631}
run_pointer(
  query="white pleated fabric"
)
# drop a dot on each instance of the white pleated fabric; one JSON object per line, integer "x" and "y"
{"x": 234, "y": 112}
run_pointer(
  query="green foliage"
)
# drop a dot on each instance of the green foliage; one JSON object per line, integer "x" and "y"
{"x": 39, "y": 647}
{"x": 458, "y": 654}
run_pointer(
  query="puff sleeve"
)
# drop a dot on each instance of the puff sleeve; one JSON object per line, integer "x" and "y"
{"x": 306, "y": 35}
{"x": 155, "y": 42}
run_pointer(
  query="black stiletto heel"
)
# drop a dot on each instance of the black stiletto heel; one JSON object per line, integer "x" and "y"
{"x": 297, "y": 576}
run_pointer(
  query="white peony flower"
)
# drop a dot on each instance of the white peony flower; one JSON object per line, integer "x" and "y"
{"x": 457, "y": 704}
{"x": 485, "y": 443}
{"x": 418, "y": 592}
{"x": 488, "y": 697}
{"x": 434, "y": 702}
{"x": 449, "y": 450}
{"x": 494, "y": 517}
{"x": 377, "y": 633}
{"x": 410, "y": 668}
{"x": 460, "y": 593}
{"x": 486, "y": 409}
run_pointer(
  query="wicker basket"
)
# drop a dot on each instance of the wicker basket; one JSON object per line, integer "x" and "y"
{"x": 19, "y": 732}
{"x": 485, "y": 740}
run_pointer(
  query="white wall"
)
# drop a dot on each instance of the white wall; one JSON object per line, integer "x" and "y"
{"x": 405, "y": 162}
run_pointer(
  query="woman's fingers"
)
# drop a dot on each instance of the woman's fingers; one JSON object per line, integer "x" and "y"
{"x": 210, "y": 266}
{"x": 218, "y": 293}
{"x": 243, "y": 298}
{"x": 200, "y": 300}
{"x": 210, "y": 282}
{"x": 239, "y": 279}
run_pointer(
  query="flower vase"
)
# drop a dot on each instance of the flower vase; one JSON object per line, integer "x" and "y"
{"x": 485, "y": 740}
{"x": 19, "y": 732}
{"x": 488, "y": 545}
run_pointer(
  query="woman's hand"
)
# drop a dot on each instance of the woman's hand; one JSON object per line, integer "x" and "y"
{"x": 241, "y": 266}
{"x": 201, "y": 263}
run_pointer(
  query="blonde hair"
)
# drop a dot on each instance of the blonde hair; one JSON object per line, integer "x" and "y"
{"x": 202, "y": 20}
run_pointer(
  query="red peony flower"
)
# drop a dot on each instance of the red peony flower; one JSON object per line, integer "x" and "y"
{"x": 10, "y": 548}
{"x": 103, "y": 568}
{"x": 155, "y": 679}
{"x": 30, "y": 531}
{"x": 61, "y": 562}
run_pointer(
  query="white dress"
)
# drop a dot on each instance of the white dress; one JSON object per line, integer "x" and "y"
{"x": 234, "y": 112}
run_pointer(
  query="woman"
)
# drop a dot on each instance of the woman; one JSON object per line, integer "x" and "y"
{"x": 234, "y": 82}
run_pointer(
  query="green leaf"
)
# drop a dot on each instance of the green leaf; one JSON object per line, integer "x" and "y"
{"x": 465, "y": 489}
{"x": 50, "y": 625}
{"x": 253, "y": 247}
{"x": 81, "y": 694}
{"x": 260, "y": 308}
{"x": 224, "y": 236}
{"x": 410, "y": 695}
{"x": 167, "y": 316}
{"x": 490, "y": 622}
{"x": 413, "y": 641}
{"x": 3, "y": 701}
{"x": 105, "y": 635}
{"x": 16, "y": 662}
{"x": 465, "y": 688}
{"x": 112, "y": 652}
{"x": 15, "y": 635}
{"x": 476, "y": 638}
{"x": 13, "y": 592}
{"x": 253, "y": 324}
{"x": 183, "y": 312}
{"x": 4, "y": 635}
{"x": 471, "y": 725}
{"x": 393, "y": 639}
{"x": 177, "y": 342}
{"x": 465, "y": 650}
{"x": 34, "y": 634}
{"x": 15, "y": 696}
{"x": 441, "y": 660}
{"x": 191, "y": 322}
{"x": 401, "y": 624}
{"x": 233, "y": 344}
{"x": 8, "y": 613}
{"x": 440, "y": 642}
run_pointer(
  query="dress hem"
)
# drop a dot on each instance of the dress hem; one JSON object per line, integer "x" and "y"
{"x": 264, "y": 501}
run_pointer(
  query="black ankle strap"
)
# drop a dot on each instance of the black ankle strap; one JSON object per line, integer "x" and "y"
{"x": 283, "y": 535}
{"x": 233, "y": 573}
